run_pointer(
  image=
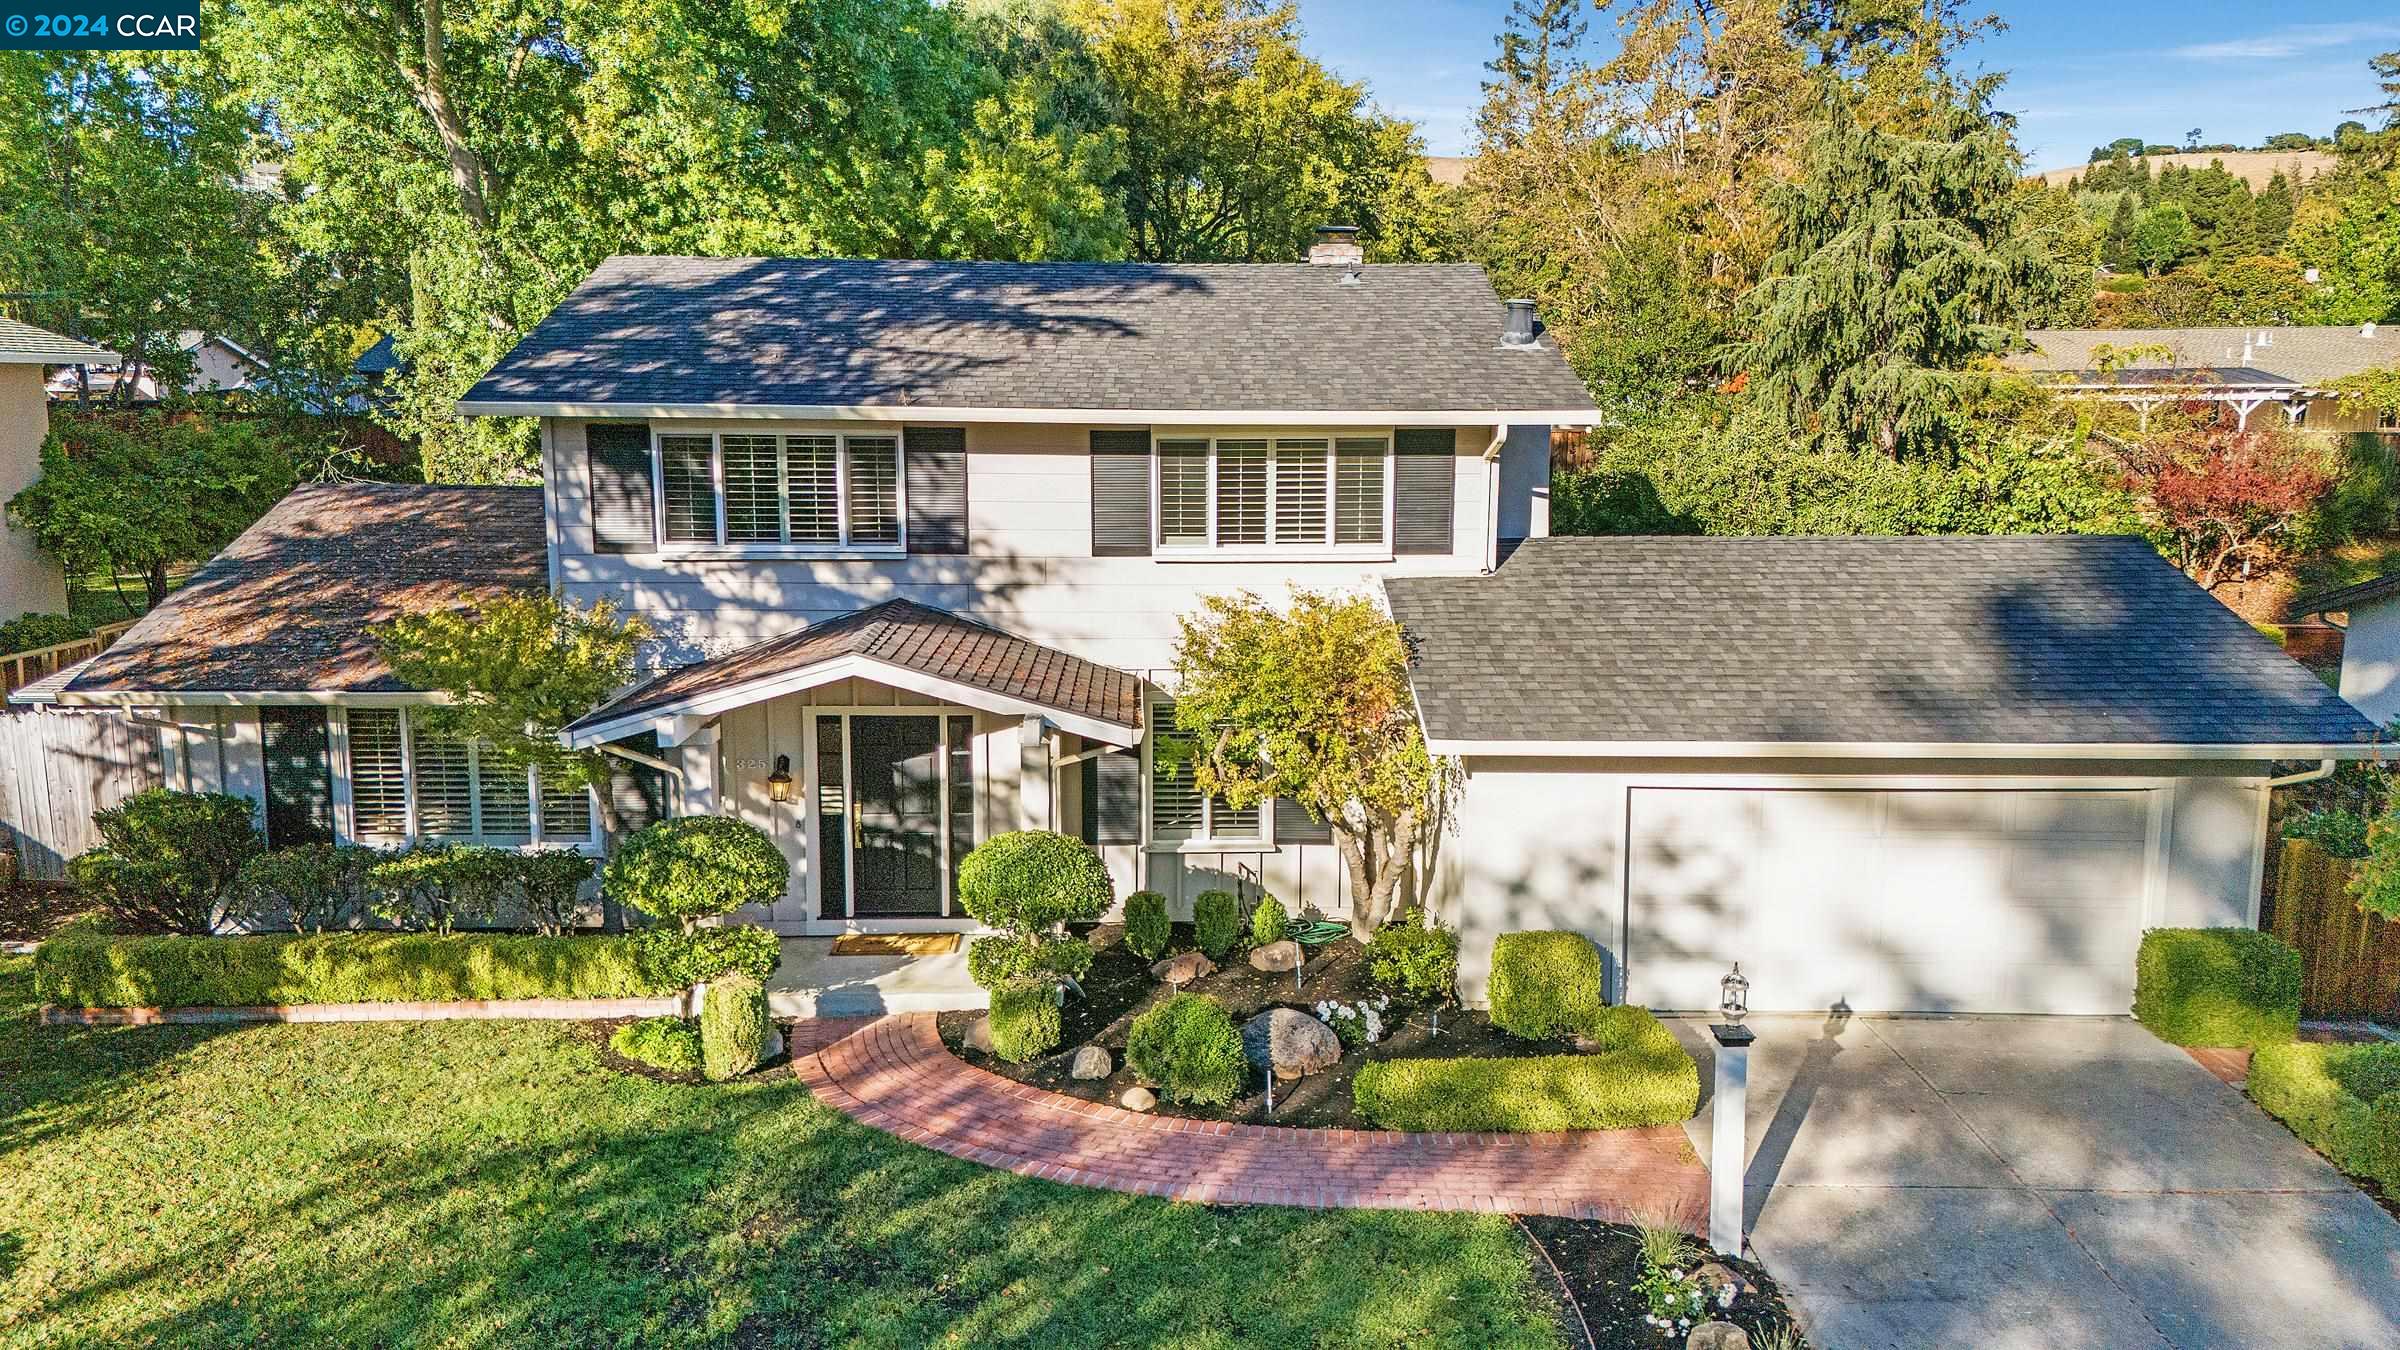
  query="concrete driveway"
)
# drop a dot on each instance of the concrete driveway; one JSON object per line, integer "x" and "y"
{"x": 2043, "y": 1183}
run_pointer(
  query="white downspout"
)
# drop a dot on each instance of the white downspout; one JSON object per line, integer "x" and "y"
{"x": 2323, "y": 771}
{"x": 1491, "y": 499}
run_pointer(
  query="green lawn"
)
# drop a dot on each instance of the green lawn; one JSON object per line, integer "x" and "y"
{"x": 491, "y": 1183}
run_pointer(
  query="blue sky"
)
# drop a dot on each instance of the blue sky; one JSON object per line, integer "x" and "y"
{"x": 2081, "y": 72}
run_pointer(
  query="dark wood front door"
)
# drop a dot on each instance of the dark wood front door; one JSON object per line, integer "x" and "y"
{"x": 896, "y": 815}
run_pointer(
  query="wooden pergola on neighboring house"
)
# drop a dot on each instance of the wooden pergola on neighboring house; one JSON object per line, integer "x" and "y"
{"x": 2241, "y": 368}
{"x": 2245, "y": 389}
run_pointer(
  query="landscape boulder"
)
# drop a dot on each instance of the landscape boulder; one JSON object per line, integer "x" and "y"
{"x": 1717, "y": 1336}
{"x": 979, "y": 1035}
{"x": 1290, "y": 1044}
{"x": 1138, "y": 1099}
{"x": 1091, "y": 1062}
{"x": 1184, "y": 967}
{"x": 1277, "y": 956}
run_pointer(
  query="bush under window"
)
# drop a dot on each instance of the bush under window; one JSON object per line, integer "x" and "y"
{"x": 1188, "y": 1047}
{"x": 550, "y": 887}
{"x": 733, "y": 1027}
{"x": 697, "y": 867}
{"x": 1547, "y": 984}
{"x": 670, "y": 1043}
{"x": 1025, "y": 1019}
{"x": 170, "y": 860}
{"x": 1147, "y": 928}
{"x": 1216, "y": 922}
{"x": 1415, "y": 957}
{"x": 312, "y": 887}
{"x": 2217, "y": 986}
{"x": 2344, "y": 1100}
{"x": 1638, "y": 1076}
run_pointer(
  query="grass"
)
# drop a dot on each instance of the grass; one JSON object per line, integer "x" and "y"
{"x": 488, "y": 1184}
{"x": 100, "y": 599}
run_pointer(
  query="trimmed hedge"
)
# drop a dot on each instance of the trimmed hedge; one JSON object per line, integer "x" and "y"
{"x": 1188, "y": 1047}
{"x": 1642, "y": 1076}
{"x": 1025, "y": 1019}
{"x": 1415, "y": 956}
{"x": 1547, "y": 984}
{"x": 1002, "y": 957}
{"x": 2217, "y": 987}
{"x": 1031, "y": 881}
{"x": 2344, "y": 1100}
{"x": 1147, "y": 928}
{"x": 733, "y": 1027}
{"x": 86, "y": 967}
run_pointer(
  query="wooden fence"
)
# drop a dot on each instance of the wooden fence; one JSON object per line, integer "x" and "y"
{"x": 2349, "y": 959}
{"x": 57, "y": 766}
{"x": 19, "y": 669}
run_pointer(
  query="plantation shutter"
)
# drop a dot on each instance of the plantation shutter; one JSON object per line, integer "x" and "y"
{"x": 378, "y": 775}
{"x": 617, "y": 457}
{"x": 503, "y": 810}
{"x": 1112, "y": 799}
{"x": 566, "y": 814}
{"x": 937, "y": 490}
{"x": 874, "y": 489}
{"x": 293, "y": 742}
{"x": 445, "y": 788}
{"x": 1293, "y": 824}
{"x": 1121, "y": 494}
{"x": 1425, "y": 489}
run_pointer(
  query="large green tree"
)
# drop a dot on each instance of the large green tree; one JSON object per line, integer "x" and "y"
{"x": 1901, "y": 267}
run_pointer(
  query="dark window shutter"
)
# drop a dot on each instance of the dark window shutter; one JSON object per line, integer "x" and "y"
{"x": 937, "y": 490}
{"x": 1293, "y": 824}
{"x": 619, "y": 456}
{"x": 1112, "y": 798}
{"x": 1121, "y": 494}
{"x": 299, "y": 766}
{"x": 1425, "y": 487}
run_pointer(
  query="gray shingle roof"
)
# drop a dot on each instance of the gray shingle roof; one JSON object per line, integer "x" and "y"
{"x": 24, "y": 344}
{"x": 1953, "y": 640}
{"x": 820, "y": 332}
{"x": 2344, "y": 598}
{"x": 913, "y": 636}
{"x": 2311, "y": 356}
{"x": 290, "y": 605}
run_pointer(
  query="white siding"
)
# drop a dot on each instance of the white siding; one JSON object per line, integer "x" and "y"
{"x": 31, "y": 581}
{"x": 2371, "y": 661}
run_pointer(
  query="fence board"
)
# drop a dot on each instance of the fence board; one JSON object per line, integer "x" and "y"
{"x": 61, "y": 765}
{"x": 2349, "y": 959}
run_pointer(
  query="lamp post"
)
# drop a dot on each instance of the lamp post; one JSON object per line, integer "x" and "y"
{"x": 1728, "y": 1143}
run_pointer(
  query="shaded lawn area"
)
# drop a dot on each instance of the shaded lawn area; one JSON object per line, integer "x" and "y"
{"x": 492, "y": 1184}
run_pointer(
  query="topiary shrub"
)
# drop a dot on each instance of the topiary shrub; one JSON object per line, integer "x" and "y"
{"x": 733, "y": 1027}
{"x": 670, "y": 1043}
{"x": 549, "y": 884}
{"x": 2217, "y": 986}
{"x": 1025, "y": 1019}
{"x": 1030, "y": 882}
{"x": 1546, "y": 984}
{"x": 1413, "y": 956}
{"x": 1189, "y": 1049}
{"x": 996, "y": 960}
{"x": 1639, "y": 1076}
{"x": 673, "y": 959}
{"x": 312, "y": 887}
{"x": 170, "y": 860}
{"x": 1216, "y": 922}
{"x": 1147, "y": 929}
{"x": 1268, "y": 922}
{"x": 697, "y": 867}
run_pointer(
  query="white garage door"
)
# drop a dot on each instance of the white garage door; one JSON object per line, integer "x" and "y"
{"x": 1948, "y": 901}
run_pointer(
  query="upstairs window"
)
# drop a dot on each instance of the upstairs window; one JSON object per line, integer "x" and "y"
{"x": 801, "y": 490}
{"x": 1273, "y": 493}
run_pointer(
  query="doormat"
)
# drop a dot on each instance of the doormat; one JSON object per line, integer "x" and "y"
{"x": 895, "y": 944}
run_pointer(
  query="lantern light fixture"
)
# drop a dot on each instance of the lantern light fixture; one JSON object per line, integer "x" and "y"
{"x": 1735, "y": 996}
{"x": 779, "y": 783}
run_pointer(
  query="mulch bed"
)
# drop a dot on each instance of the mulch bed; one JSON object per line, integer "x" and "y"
{"x": 1598, "y": 1263}
{"x": 33, "y": 910}
{"x": 1120, "y": 987}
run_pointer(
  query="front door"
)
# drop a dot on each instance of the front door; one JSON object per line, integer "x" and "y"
{"x": 896, "y": 821}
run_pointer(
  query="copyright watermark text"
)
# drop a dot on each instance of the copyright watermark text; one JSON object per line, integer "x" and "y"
{"x": 51, "y": 25}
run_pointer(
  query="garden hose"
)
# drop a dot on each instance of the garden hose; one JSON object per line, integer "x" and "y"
{"x": 1317, "y": 932}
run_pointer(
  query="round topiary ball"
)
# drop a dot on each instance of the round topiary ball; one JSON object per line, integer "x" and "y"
{"x": 1031, "y": 881}
{"x": 697, "y": 867}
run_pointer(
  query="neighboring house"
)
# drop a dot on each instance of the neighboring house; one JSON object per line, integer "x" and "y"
{"x": 2369, "y": 616}
{"x": 219, "y": 366}
{"x": 917, "y": 536}
{"x": 2245, "y": 369}
{"x": 31, "y": 581}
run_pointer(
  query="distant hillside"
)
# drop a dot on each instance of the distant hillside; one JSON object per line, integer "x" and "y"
{"x": 2254, "y": 167}
{"x": 1448, "y": 170}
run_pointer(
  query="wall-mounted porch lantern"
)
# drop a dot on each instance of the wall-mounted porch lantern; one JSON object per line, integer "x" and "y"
{"x": 779, "y": 783}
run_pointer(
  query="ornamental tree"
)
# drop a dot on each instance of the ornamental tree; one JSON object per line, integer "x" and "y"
{"x": 1311, "y": 703}
{"x": 2216, "y": 496}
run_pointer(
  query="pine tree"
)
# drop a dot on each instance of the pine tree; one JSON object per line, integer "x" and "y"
{"x": 2271, "y": 215}
{"x": 2116, "y": 247}
{"x": 1901, "y": 266}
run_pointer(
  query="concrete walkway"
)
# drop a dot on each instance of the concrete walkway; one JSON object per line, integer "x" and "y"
{"x": 894, "y": 1074}
{"x": 2032, "y": 1184}
{"x": 813, "y": 982}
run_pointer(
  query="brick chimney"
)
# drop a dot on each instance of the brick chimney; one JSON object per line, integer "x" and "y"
{"x": 1336, "y": 246}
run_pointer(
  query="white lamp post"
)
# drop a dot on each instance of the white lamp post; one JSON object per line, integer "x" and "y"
{"x": 1727, "y": 1145}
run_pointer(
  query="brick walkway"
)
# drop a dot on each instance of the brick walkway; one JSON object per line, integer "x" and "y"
{"x": 894, "y": 1074}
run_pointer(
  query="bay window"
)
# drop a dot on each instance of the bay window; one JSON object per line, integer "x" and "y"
{"x": 768, "y": 490}
{"x": 1273, "y": 493}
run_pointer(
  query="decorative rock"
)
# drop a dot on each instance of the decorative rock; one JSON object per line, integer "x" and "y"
{"x": 979, "y": 1034}
{"x": 1718, "y": 1336}
{"x": 1275, "y": 956}
{"x": 1184, "y": 967}
{"x": 1138, "y": 1099}
{"x": 1713, "y": 1277}
{"x": 1291, "y": 1044}
{"x": 1091, "y": 1062}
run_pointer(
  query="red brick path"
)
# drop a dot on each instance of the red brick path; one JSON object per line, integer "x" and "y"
{"x": 895, "y": 1074}
{"x": 2231, "y": 1066}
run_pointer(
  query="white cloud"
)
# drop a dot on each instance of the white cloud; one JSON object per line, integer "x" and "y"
{"x": 2288, "y": 41}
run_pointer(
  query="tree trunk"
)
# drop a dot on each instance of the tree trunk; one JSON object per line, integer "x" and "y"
{"x": 468, "y": 174}
{"x": 601, "y": 771}
{"x": 154, "y": 581}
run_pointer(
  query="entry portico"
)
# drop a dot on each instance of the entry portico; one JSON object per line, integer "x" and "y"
{"x": 877, "y": 749}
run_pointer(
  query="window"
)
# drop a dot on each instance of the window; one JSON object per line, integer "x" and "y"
{"x": 764, "y": 490}
{"x": 1178, "y": 813}
{"x": 407, "y": 783}
{"x": 1280, "y": 493}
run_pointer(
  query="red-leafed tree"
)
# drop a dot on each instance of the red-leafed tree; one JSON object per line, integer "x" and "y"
{"x": 2218, "y": 496}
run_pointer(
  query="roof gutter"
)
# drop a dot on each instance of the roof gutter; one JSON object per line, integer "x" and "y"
{"x": 1137, "y": 417}
{"x": 1964, "y": 750}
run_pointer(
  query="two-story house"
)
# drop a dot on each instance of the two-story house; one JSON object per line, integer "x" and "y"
{"x": 916, "y": 536}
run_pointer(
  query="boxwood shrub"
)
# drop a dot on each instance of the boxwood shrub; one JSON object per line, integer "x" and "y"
{"x": 2344, "y": 1100}
{"x": 1029, "y": 882}
{"x": 670, "y": 1043}
{"x": 1147, "y": 928}
{"x": 996, "y": 960}
{"x": 1189, "y": 1049}
{"x": 1639, "y": 1076}
{"x": 1269, "y": 921}
{"x": 1547, "y": 984}
{"x": 1025, "y": 1019}
{"x": 2217, "y": 986}
{"x": 733, "y": 1027}
{"x": 1216, "y": 922}
{"x": 1415, "y": 956}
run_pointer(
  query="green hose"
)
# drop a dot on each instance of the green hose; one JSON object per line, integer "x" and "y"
{"x": 1317, "y": 932}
